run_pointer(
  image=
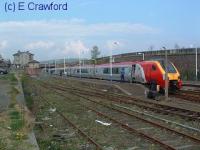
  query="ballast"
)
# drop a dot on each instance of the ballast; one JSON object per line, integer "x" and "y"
{"x": 50, "y": 6}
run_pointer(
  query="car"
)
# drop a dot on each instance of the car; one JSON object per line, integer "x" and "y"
{"x": 3, "y": 71}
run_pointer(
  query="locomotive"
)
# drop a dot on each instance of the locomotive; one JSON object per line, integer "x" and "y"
{"x": 145, "y": 72}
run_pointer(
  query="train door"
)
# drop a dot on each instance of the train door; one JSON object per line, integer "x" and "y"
{"x": 139, "y": 74}
{"x": 133, "y": 73}
{"x": 153, "y": 72}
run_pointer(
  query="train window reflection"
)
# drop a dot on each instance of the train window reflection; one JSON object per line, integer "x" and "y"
{"x": 170, "y": 67}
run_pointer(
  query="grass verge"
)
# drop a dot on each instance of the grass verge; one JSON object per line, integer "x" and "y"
{"x": 27, "y": 92}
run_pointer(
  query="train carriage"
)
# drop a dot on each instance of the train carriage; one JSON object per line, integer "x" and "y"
{"x": 146, "y": 72}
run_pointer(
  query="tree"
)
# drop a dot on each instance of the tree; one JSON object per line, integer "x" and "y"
{"x": 151, "y": 47}
{"x": 1, "y": 58}
{"x": 95, "y": 52}
{"x": 176, "y": 46}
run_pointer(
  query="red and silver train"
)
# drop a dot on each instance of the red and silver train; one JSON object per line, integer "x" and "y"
{"x": 146, "y": 72}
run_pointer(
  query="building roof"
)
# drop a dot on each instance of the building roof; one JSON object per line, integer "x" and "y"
{"x": 33, "y": 61}
{"x": 19, "y": 52}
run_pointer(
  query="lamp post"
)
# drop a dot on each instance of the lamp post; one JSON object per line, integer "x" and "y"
{"x": 111, "y": 66}
{"x": 79, "y": 64}
{"x": 111, "y": 61}
{"x": 196, "y": 64}
{"x": 49, "y": 69}
{"x": 45, "y": 68}
{"x": 142, "y": 55}
{"x": 166, "y": 74}
{"x": 64, "y": 67}
{"x": 55, "y": 66}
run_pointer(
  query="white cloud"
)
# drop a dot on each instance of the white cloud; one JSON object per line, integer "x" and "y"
{"x": 3, "y": 44}
{"x": 74, "y": 48}
{"x": 114, "y": 45}
{"x": 40, "y": 45}
{"x": 73, "y": 27}
{"x": 51, "y": 36}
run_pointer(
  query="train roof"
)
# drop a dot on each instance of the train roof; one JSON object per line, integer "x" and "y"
{"x": 119, "y": 64}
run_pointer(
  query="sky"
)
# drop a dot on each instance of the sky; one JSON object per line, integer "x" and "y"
{"x": 116, "y": 27}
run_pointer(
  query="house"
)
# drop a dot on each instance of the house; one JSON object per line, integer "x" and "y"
{"x": 33, "y": 68}
{"x": 21, "y": 59}
{"x": 33, "y": 64}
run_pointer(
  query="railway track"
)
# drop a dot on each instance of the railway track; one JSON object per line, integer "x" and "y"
{"x": 149, "y": 139}
{"x": 81, "y": 132}
{"x": 149, "y": 105}
{"x": 173, "y": 135}
{"x": 192, "y": 85}
{"x": 189, "y": 95}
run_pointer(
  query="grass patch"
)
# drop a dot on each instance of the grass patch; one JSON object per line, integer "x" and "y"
{"x": 27, "y": 92}
{"x": 44, "y": 144}
{"x": 2, "y": 145}
{"x": 17, "y": 121}
{"x": 29, "y": 101}
{"x": 14, "y": 91}
{"x": 11, "y": 77}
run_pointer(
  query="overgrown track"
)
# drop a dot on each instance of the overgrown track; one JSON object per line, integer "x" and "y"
{"x": 177, "y": 135}
{"x": 98, "y": 147}
{"x": 150, "y": 105}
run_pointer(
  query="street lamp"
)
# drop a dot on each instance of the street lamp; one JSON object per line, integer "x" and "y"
{"x": 196, "y": 64}
{"x": 45, "y": 68}
{"x": 55, "y": 66}
{"x": 166, "y": 75}
{"x": 64, "y": 67}
{"x": 111, "y": 61}
{"x": 79, "y": 57}
{"x": 111, "y": 66}
{"x": 49, "y": 67}
{"x": 142, "y": 55}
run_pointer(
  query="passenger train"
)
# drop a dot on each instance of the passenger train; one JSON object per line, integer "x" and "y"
{"x": 146, "y": 72}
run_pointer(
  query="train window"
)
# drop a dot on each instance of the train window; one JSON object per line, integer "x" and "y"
{"x": 126, "y": 70}
{"x": 153, "y": 68}
{"x": 170, "y": 67}
{"x": 106, "y": 70}
{"x": 84, "y": 71}
{"x": 115, "y": 70}
{"x": 78, "y": 70}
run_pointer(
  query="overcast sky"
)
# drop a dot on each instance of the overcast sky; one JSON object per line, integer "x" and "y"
{"x": 118, "y": 25}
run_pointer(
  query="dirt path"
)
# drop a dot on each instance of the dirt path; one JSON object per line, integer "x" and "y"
{"x": 16, "y": 122}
